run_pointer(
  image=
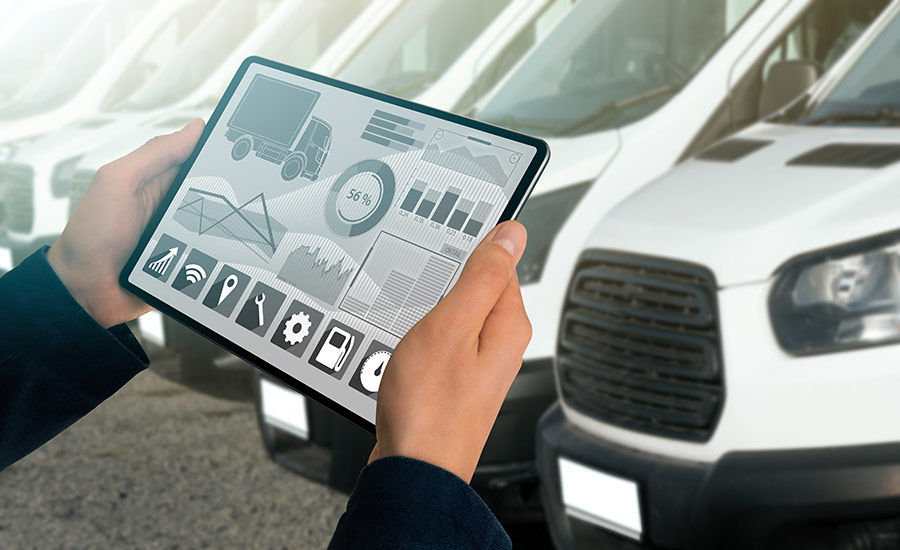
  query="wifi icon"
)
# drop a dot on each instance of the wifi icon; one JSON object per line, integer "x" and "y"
{"x": 192, "y": 276}
{"x": 194, "y": 273}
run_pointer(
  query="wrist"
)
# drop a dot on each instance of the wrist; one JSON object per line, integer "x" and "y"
{"x": 82, "y": 289}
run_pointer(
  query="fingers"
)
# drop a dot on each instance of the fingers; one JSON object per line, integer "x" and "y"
{"x": 486, "y": 275}
{"x": 162, "y": 152}
{"x": 506, "y": 330}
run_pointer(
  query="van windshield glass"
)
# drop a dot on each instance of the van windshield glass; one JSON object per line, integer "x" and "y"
{"x": 91, "y": 46}
{"x": 611, "y": 62}
{"x": 29, "y": 47}
{"x": 418, "y": 43}
{"x": 201, "y": 54}
{"x": 869, "y": 94}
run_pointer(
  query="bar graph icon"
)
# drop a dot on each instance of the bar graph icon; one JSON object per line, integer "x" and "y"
{"x": 466, "y": 216}
{"x": 394, "y": 131}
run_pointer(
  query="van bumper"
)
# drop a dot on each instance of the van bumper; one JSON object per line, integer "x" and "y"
{"x": 840, "y": 498}
{"x": 506, "y": 477}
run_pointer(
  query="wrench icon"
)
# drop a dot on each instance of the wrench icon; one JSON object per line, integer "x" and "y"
{"x": 260, "y": 298}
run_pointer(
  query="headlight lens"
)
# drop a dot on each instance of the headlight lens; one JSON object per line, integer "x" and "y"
{"x": 62, "y": 176}
{"x": 6, "y": 152}
{"x": 542, "y": 216}
{"x": 845, "y": 298}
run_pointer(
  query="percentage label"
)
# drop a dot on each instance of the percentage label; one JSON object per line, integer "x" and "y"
{"x": 356, "y": 196}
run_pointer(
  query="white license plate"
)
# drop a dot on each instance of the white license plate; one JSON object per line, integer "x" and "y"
{"x": 151, "y": 325}
{"x": 605, "y": 500}
{"x": 6, "y": 259}
{"x": 284, "y": 408}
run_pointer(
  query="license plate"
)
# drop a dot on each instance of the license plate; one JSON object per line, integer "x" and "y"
{"x": 151, "y": 325}
{"x": 284, "y": 409}
{"x": 605, "y": 500}
{"x": 6, "y": 259}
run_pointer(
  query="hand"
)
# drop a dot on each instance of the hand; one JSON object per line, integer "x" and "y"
{"x": 448, "y": 377}
{"x": 109, "y": 220}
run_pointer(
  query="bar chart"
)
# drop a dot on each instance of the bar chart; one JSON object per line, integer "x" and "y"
{"x": 447, "y": 208}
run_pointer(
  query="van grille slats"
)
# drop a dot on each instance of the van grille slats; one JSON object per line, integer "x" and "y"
{"x": 733, "y": 149}
{"x": 850, "y": 155}
{"x": 639, "y": 345}
{"x": 18, "y": 198}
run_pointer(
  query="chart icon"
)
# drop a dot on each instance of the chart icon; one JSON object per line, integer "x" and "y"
{"x": 471, "y": 156}
{"x": 164, "y": 257}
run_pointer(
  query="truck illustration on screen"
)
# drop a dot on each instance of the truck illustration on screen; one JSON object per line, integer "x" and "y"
{"x": 268, "y": 120}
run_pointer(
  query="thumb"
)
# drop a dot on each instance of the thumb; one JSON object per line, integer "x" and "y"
{"x": 162, "y": 152}
{"x": 486, "y": 275}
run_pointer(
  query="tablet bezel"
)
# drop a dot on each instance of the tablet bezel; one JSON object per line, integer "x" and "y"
{"x": 523, "y": 190}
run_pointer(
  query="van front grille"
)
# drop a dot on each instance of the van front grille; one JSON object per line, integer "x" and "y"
{"x": 18, "y": 198}
{"x": 639, "y": 345}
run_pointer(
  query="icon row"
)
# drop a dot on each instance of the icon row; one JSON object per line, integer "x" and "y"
{"x": 300, "y": 322}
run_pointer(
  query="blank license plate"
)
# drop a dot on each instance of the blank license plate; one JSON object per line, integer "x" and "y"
{"x": 605, "y": 500}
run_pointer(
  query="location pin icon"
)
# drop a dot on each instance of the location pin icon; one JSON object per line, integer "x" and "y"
{"x": 227, "y": 287}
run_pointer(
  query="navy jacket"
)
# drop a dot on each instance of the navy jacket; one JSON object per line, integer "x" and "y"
{"x": 57, "y": 363}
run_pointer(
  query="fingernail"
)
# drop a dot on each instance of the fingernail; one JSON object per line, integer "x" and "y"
{"x": 191, "y": 123}
{"x": 511, "y": 236}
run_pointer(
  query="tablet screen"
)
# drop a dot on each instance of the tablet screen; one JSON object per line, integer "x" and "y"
{"x": 317, "y": 225}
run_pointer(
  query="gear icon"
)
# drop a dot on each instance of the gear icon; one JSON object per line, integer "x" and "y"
{"x": 296, "y": 329}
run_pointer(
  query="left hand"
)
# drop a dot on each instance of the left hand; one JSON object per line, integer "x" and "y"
{"x": 109, "y": 220}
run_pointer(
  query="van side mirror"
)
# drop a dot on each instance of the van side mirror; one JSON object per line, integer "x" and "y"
{"x": 787, "y": 80}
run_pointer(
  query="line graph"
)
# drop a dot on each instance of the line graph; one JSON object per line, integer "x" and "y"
{"x": 208, "y": 213}
{"x": 309, "y": 269}
{"x": 471, "y": 156}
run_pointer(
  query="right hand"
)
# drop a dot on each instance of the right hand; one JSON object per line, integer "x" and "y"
{"x": 448, "y": 377}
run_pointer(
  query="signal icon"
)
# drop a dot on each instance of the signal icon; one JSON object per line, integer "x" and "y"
{"x": 194, "y": 273}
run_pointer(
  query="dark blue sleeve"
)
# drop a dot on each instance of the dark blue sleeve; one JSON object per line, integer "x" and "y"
{"x": 56, "y": 362}
{"x": 402, "y": 503}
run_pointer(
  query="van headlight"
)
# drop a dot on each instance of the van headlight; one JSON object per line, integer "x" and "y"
{"x": 7, "y": 151}
{"x": 543, "y": 216}
{"x": 847, "y": 297}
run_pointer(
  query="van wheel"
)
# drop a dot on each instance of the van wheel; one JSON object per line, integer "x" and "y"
{"x": 292, "y": 167}
{"x": 241, "y": 147}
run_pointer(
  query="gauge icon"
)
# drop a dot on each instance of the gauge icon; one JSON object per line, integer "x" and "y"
{"x": 367, "y": 378}
{"x": 360, "y": 198}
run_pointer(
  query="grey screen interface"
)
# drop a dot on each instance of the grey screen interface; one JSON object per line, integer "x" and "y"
{"x": 317, "y": 226}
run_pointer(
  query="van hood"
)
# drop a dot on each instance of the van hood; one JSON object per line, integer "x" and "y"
{"x": 577, "y": 159}
{"x": 743, "y": 218}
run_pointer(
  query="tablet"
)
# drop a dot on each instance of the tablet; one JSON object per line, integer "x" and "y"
{"x": 316, "y": 222}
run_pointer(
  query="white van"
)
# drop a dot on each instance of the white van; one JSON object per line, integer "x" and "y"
{"x": 601, "y": 52}
{"x": 725, "y": 366}
{"x": 177, "y": 56}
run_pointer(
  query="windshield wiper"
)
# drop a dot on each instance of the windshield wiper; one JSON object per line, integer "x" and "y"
{"x": 881, "y": 114}
{"x": 614, "y": 109}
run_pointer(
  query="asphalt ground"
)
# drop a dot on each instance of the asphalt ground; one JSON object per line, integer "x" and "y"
{"x": 159, "y": 466}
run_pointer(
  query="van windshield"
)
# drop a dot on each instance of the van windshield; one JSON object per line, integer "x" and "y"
{"x": 611, "y": 62}
{"x": 869, "y": 94}
{"x": 92, "y": 45}
{"x": 202, "y": 53}
{"x": 33, "y": 44}
{"x": 418, "y": 43}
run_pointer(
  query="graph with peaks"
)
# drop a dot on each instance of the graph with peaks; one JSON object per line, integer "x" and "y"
{"x": 309, "y": 269}
{"x": 471, "y": 156}
{"x": 213, "y": 214}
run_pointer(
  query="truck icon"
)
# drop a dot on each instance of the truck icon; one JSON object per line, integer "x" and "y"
{"x": 268, "y": 119}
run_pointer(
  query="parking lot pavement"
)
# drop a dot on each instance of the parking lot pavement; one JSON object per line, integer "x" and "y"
{"x": 159, "y": 466}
